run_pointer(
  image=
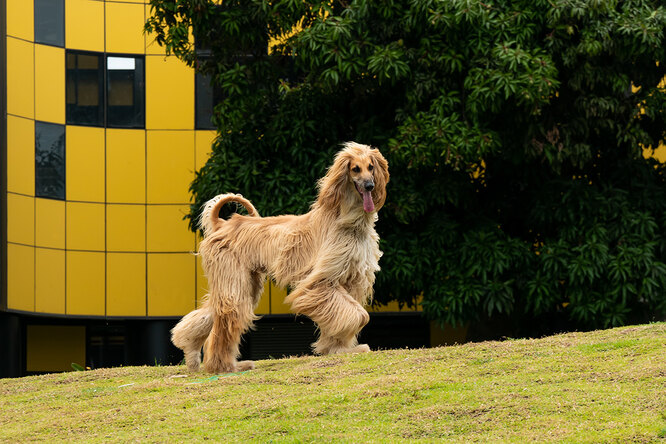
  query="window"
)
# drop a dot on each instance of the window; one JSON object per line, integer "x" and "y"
{"x": 50, "y": 22}
{"x": 105, "y": 90}
{"x": 49, "y": 160}
{"x": 207, "y": 96}
{"x": 125, "y": 92}
{"x": 85, "y": 96}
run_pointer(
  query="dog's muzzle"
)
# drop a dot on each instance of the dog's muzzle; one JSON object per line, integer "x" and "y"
{"x": 365, "y": 189}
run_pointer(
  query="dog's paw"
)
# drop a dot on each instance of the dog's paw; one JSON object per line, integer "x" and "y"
{"x": 361, "y": 348}
{"x": 242, "y": 366}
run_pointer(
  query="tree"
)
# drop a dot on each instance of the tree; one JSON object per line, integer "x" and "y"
{"x": 515, "y": 132}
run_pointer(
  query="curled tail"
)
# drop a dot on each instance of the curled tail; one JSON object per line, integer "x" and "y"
{"x": 209, "y": 221}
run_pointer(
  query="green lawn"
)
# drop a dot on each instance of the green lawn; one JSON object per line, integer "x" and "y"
{"x": 604, "y": 386}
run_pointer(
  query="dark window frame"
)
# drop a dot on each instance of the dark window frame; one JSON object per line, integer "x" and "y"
{"x": 72, "y": 108}
{"x": 139, "y": 92}
{"x": 60, "y": 43}
{"x": 214, "y": 92}
{"x": 42, "y": 190}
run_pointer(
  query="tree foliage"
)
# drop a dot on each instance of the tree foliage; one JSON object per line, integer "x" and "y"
{"x": 514, "y": 131}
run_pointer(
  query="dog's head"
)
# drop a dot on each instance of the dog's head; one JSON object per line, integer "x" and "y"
{"x": 359, "y": 174}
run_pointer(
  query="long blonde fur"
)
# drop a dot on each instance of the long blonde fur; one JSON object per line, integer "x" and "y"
{"x": 328, "y": 257}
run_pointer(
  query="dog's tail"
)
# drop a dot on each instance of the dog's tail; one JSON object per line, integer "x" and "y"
{"x": 210, "y": 220}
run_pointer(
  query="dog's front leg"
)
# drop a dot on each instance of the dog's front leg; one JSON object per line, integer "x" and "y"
{"x": 338, "y": 315}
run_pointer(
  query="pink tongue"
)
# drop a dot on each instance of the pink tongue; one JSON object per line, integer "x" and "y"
{"x": 368, "y": 204}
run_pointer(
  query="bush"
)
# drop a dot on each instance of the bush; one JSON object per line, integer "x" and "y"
{"x": 514, "y": 131}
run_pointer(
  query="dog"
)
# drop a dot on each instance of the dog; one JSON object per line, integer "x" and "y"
{"x": 328, "y": 257}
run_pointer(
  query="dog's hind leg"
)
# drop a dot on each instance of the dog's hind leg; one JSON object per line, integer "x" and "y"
{"x": 191, "y": 333}
{"x": 339, "y": 317}
{"x": 234, "y": 313}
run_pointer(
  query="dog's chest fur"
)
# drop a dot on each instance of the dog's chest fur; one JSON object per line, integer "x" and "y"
{"x": 359, "y": 253}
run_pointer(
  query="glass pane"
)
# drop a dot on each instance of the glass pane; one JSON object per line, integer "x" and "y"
{"x": 84, "y": 89}
{"x": 125, "y": 92}
{"x": 50, "y": 22}
{"x": 204, "y": 102}
{"x": 49, "y": 160}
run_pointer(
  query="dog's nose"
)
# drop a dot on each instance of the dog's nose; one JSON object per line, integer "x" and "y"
{"x": 369, "y": 186}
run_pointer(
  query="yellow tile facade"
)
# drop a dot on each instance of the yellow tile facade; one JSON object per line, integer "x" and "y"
{"x": 85, "y": 226}
{"x": 125, "y": 166}
{"x": 126, "y": 284}
{"x": 203, "y": 147}
{"x": 85, "y": 164}
{"x": 174, "y": 110}
{"x": 124, "y": 28}
{"x": 84, "y": 25}
{"x": 85, "y": 283}
{"x": 21, "y": 155}
{"x": 49, "y": 84}
{"x": 50, "y": 223}
{"x": 126, "y": 228}
{"x": 170, "y": 169}
{"x": 20, "y": 19}
{"x": 117, "y": 245}
{"x": 171, "y": 280}
{"x": 49, "y": 280}
{"x": 20, "y": 78}
{"x": 20, "y": 219}
{"x": 20, "y": 277}
{"x": 166, "y": 230}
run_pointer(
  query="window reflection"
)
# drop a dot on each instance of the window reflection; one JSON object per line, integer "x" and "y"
{"x": 84, "y": 92}
{"x": 49, "y": 160}
{"x": 50, "y": 22}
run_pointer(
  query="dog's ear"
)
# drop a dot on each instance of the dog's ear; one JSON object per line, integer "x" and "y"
{"x": 381, "y": 176}
{"x": 332, "y": 186}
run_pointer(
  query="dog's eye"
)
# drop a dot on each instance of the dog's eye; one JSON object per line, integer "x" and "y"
{"x": 370, "y": 167}
{"x": 356, "y": 169}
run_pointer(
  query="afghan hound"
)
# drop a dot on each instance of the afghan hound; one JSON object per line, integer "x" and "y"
{"x": 328, "y": 257}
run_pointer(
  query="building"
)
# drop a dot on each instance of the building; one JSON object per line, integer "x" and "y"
{"x": 100, "y": 137}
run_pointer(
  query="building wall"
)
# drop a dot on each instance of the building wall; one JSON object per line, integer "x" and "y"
{"x": 94, "y": 245}
{"x": 116, "y": 245}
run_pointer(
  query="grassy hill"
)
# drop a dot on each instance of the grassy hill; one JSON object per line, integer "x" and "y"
{"x": 604, "y": 386}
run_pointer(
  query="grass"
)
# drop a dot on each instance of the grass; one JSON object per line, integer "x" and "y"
{"x": 604, "y": 386}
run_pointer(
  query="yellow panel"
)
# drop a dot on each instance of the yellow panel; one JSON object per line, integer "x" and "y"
{"x": 50, "y": 223}
{"x": 125, "y": 227}
{"x": 167, "y": 231}
{"x": 124, "y": 28}
{"x": 20, "y": 19}
{"x": 84, "y": 163}
{"x": 171, "y": 284}
{"x": 20, "y": 78}
{"x": 125, "y": 284}
{"x": 125, "y": 166}
{"x": 264, "y": 306}
{"x": 20, "y": 155}
{"x": 151, "y": 46}
{"x": 49, "y": 281}
{"x": 203, "y": 147}
{"x": 659, "y": 153}
{"x": 85, "y": 226}
{"x": 84, "y": 25}
{"x": 49, "y": 84}
{"x": 20, "y": 219}
{"x": 202, "y": 282}
{"x": 85, "y": 283}
{"x": 174, "y": 110}
{"x": 170, "y": 167}
{"x": 53, "y": 348}
{"x": 20, "y": 277}
{"x": 277, "y": 300}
